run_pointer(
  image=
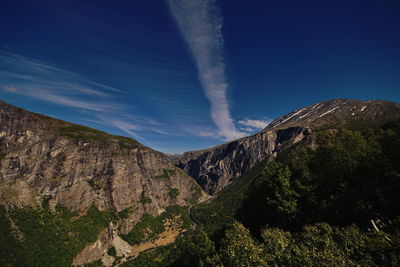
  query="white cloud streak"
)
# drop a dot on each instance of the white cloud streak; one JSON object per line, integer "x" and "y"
{"x": 132, "y": 124}
{"x": 37, "y": 79}
{"x": 200, "y": 24}
{"x": 127, "y": 127}
{"x": 101, "y": 104}
{"x": 251, "y": 125}
{"x": 10, "y": 89}
{"x": 32, "y": 78}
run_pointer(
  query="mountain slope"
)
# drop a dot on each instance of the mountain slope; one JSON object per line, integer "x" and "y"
{"x": 217, "y": 167}
{"x": 344, "y": 112}
{"x": 330, "y": 200}
{"x": 52, "y": 163}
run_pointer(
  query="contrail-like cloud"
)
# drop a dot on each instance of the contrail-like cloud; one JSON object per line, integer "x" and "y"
{"x": 200, "y": 23}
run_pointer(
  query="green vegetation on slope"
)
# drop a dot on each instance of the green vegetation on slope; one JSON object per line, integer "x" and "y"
{"x": 49, "y": 239}
{"x": 216, "y": 215}
{"x": 45, "y": 238}
{"x": 351, "y": 177}
{"x": 173, "y": 193}
{"x": 143, "y": 199}
{"x": 190, "y": 249}
{"x": 149, "y": 227}
{"x": 87, "y": 134}
{"x": 11, "y": 252}
{"x": 309, "y": 207}
{"x": 124, "y": 214}
{"x": 316, "y": 245}
{"x": 146, "y": 229}
{"x": 165, "y": 175}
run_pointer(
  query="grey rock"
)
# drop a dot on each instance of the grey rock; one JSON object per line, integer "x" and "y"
{"x": 77, "y": 167}
{"x": 217, "y": 167}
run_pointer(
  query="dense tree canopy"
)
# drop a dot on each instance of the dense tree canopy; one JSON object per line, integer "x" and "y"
{"x": 350, "y": 177}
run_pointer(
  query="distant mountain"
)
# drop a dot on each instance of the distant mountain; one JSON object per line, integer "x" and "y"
{"x": 217, "y": 167}
{"x": 174, "y": 157}
{"x": 52, "y": 164}
{"x": 339, "y": 112}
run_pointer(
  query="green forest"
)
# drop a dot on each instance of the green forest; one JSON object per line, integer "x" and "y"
{"x": 312, "y": 206}
{"x": 47, "y": 238}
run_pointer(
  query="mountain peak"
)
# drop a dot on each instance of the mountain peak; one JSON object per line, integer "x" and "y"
{"x": 343, "y": 112}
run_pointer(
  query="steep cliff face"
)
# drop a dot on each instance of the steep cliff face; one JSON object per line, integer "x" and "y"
{"x": 78, "y": 167}
{"x": 217, "y": 167}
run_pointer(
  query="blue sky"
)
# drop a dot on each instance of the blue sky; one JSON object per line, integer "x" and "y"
{"x": 181, "y": 75}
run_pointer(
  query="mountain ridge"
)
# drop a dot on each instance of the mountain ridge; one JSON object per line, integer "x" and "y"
{"x": 47, "y": 163}
{"x": 341, "y": 111}
{"x": 215, "y": 167}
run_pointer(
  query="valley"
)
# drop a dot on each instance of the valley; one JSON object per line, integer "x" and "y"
{"x": 306, "y": 190}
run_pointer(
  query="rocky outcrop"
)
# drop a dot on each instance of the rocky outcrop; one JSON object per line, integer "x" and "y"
{"x": 217, "y": 167}
{"x": 98, "y": 250}
{"x": 77, "y": 167}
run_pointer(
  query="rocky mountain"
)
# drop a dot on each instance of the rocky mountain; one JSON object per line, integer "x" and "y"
{"x": 344, "y": 112}
{"x": 73, "y": 195}
{"x": 44, "y": 160}
{"x": 217, "y": 167}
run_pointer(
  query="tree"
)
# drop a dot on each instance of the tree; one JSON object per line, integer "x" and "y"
{"x": 238, "y": 248}
{"x": 277, "y": 244}
{"x": 196, "y": 248}
{"x": 279, "y": 194}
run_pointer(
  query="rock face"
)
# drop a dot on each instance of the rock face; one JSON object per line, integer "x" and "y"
{"x": 217, "y": 167}
{"x": 77, "y": 167}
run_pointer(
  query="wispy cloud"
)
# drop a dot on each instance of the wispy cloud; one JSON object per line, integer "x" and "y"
{"x": 125, "y": 126}
{"x": 37, "y": 79}
{"x": 248, "y": 125}
{"x": 61, "y": 99}
{"x": 98, "y": 103}
{"x": 132, "y": 124}
{"x": 200, "y": 23}
{"x": 200, "y": 131}
{"x": 10, "y": 89}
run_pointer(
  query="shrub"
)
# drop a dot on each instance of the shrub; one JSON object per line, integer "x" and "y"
{"x": 165, "y": 175}
{"x": 173, "y": 193}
